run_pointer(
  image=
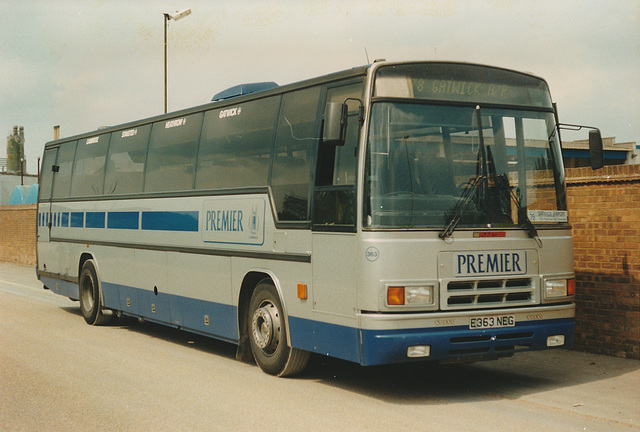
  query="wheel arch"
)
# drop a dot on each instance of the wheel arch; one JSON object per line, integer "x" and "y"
{"x": 84, "y": 257}
{"x": 95, "y": 313}
{"x": 251, "y": 279}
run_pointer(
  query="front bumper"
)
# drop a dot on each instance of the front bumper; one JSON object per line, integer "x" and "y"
{"x": 449, "y": 337}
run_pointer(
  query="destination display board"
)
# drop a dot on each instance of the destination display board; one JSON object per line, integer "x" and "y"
{"x": 463, "y": 83}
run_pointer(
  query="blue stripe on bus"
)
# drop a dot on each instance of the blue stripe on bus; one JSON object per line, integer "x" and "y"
{"x": 200, "y": 316}
{"x": 187, "y": 221}
{"x": 367, "y": 347}
{"x": 77, "y": 220}
{"x": 64, "y": 219}
{"x": 123, "y": 220}
{"x": 59, "y": 286}
{"x": 95, "y": 219}
{"x": 170, "y": 221}
{"x": 327, "y": 339}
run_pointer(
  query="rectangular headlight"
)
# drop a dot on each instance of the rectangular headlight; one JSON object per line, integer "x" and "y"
{"x": 419, "y": 295}
{"x": 413, "y": 295}
{"x": 555, "y": 288}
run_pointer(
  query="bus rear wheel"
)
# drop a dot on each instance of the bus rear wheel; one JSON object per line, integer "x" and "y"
{"x": 268, "y": 334}
{"x": 90, "y": 300}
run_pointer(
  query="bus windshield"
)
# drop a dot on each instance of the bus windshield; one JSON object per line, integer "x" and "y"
{"x": 423, "y": 159}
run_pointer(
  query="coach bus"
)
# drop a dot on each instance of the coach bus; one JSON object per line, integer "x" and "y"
{"x": 389, "y": 213}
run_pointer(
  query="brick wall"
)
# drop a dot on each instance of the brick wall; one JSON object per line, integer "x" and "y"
{"x": 18, "y": 234}
{"x": 604, "y": 210}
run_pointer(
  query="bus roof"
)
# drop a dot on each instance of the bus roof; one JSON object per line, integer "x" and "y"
{"x": 221, "y": 102}
{"x": 228, "y": 98}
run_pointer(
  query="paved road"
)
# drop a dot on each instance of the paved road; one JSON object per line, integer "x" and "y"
{"x": 59, "y": 374}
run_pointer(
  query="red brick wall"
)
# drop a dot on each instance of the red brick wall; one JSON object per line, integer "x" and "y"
{"x": 604, "y": 210}
{"x": 18, "y": 234}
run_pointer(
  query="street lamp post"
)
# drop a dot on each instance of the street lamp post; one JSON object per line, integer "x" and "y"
{"x": 175, "y": 16}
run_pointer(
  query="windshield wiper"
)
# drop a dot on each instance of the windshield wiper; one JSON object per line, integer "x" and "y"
{"x": 502, "y": 181}
{"x": 465, "y": 199}
{"x": 460, "y": 207}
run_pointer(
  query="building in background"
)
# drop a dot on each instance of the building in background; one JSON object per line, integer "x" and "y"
{"x": 576, "y": 153}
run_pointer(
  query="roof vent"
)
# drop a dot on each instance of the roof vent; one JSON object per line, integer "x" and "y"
{"x": 243, "y": 89}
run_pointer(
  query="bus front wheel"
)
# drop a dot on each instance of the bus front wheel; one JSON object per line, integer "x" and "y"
{"x": 268, "y": 334}
{"x": 90, "y": 301}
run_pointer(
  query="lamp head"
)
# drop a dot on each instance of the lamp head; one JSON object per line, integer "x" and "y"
{"x": 179, "y": 14}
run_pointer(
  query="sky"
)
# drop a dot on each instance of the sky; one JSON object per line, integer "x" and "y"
{"x": 93, "y": 63}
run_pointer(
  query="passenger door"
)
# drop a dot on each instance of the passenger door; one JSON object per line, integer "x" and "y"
{"x": 334, "y": 214}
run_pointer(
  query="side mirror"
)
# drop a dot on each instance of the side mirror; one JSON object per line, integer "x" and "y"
{"x": 335, "y": 123}
{"x": 596, "y": 153}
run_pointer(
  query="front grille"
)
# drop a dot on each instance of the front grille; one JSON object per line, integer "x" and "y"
{"x": 488, "y": 293}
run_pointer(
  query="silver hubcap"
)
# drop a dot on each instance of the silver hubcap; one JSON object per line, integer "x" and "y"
{"x": 265, "y": 327}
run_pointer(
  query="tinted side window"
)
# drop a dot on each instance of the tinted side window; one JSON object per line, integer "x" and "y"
{"x": 46, "y": 174}
{"x": 88, "y": 171}
{"x": 298, "y": 131}
{"x": 62, "y": 178}
{"x": 125, "y": 164}
{"x": 335, "y": 195}
{"x": 346, "y": 156}
{"x": 172, "y": 154}
{"x": 236, "y": 144}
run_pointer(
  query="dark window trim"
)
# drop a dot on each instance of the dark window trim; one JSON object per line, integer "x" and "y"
{"x": 277, "y": 256}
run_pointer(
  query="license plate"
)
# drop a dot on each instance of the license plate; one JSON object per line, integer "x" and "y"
{"x": 486, "y": 322}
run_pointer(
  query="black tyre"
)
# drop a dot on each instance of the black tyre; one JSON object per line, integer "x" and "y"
{"x": 268, "y": 334}
{"x": 90, "y": 300}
